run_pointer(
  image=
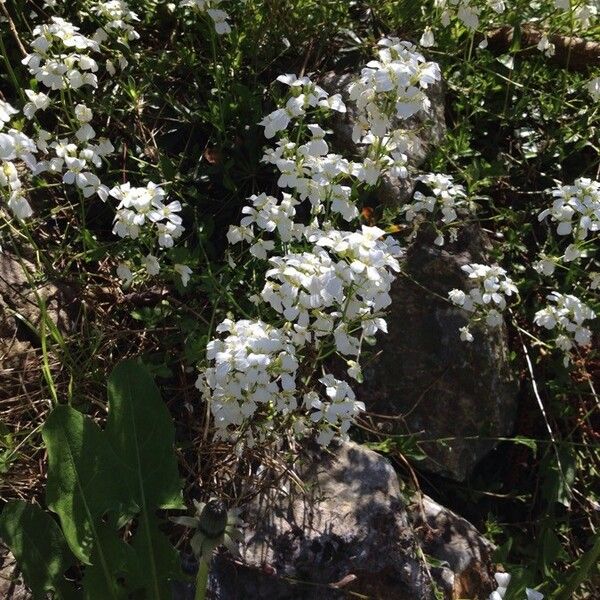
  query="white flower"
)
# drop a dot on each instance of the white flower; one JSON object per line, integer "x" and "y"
{"x": 457, "y": 297}
{"x": 9, "y": 176}
{"x": 392, "y": 87}
{"x": 278, "y": 120}
{"x": 355, "y": 371}
{"x": 253, "y": 369}
{"x": 335, "y": 413}
{"x": 572, "y": 253}
{"x": 83, "y": 114}
{"x": 6, "y": 113}
{"x": 218, "y": 15}
{"x": 168, "y": 212}
{"x": 15, "y": 144}
{"x": 143, "y": 207}
{"x": 469, "y": 15}
{"x": 37, "y": 101}
{"x": 427, "y": 39}
{"x": 261, "y": 248}
{"x": 334, "y": 102}
{"x": 220, "y": 19}
{"x": 493, "y": 318}
{"x": 465, "y": 334}
{"x": 576, "y": 209}
{"x": 167, "y": 233}
{"x": 545, "y": 46}
{"x": 545, "y": 265}
{"x": 441, "y": 203}
{"x": 58, "y": 60}
{"x": 118, "y": 18}
{"x": 593, "y": 87}
{"x": 503, "y": 580}
{"x": 19, "y": 206}
{"x": 151, "y": 264}
{"x": 85, "y": 133}
{"x": 124, "y": 273}
{"x": 184, "y": 272}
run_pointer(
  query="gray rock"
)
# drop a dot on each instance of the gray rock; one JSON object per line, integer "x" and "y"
{"x": 431, "y": 383}
{"x": 349, "y": 531}
{"x": 21, "y": 290}
{"x": 465, "y": 556}
{"x": 11, "y": 584}
{"x": 20, "y": 294}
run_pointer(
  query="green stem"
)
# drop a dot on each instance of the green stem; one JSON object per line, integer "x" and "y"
{"x": 201, "y": 580}
{"x": 11, "y": 73}
{"x": 217, "y": 76}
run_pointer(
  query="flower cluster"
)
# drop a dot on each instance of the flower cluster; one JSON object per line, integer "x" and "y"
{"x": 254, "y": 374}
{"x": 143, "y": 207}
{"x": 60, "y": 57}
{"x": 567, "y": 314}
{"x": 345, "y": 279}
{"x": 219, "y": 17}
{"x": 60, "y": 60}
{"x": 305, "y": 95}
{"x": 337, "y": 412}
{"x": 392, "y": 87}
{"x": 310, "y": 170}
{"x": 440, "y": 204}
{"x": 465, "y": 11}
{"x": 16, "y": 149}
{"x": 119, "y": 19}
{"x": 325, "y": 287}
{"x": 576, "y": 210}
{"x": 487, "y": 299}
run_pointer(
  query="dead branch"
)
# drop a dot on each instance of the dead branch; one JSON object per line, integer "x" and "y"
{"x": 572, "y": 53}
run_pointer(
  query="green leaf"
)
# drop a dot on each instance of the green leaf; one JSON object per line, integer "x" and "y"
{"x": 39, "y": 547}
{"x": 140, "y": 431}
{"x": 581, "y": 570}
{"x": 83, "y": 477}
{"x": 525, "y": 441}
{"x": 551, "y": 549}
{"x": 121, "y": 562}
{"x": 408, "y": 445}
{"x": 155, "y": 552}
{"x": 192, "y": 522}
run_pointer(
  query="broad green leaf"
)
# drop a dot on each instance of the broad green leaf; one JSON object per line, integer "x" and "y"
{"x": 39, "y": 547}
{"x": 83, "y": 477}
{"x": 141, "y": 433}
{"x": 121, "y": 562}
{"x": 156, "y": 553}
